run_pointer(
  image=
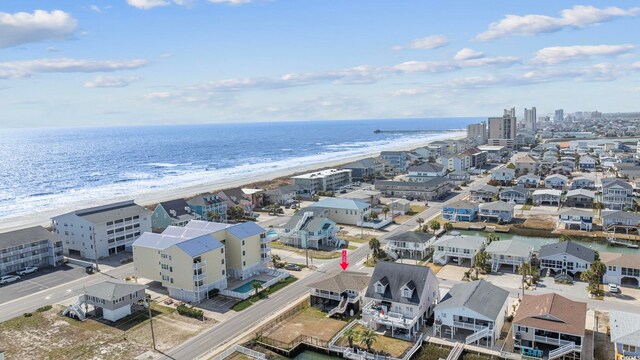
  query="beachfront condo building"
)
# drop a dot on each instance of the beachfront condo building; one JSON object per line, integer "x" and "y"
{"x": 396, "y": 161}
{"x": 191, "y": 261}
{"x": 325, "y": 180}
{"x": 207, "y": 205}
{"x": 502, "y": 130}
{"x": 477, "y": 133}
{"x": 101, "y": 231}
{"x": 34, "y": 246}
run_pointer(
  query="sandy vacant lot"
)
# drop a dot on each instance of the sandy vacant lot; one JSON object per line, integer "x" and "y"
{"x": 308, "y": 321}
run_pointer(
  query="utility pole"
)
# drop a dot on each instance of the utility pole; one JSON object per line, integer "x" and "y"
{"x": 523, "y": 271}
{"x": 147, "y": 302}
{"x": 95, "y": 247}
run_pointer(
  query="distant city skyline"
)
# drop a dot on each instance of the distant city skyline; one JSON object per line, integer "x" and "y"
{"x": 148, "y": 62}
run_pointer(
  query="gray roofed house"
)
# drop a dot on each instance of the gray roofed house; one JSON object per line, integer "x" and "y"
{"x": 457, "y": 247}
{"x": 620, "y": 218}
{"x": 343, "y": 281}
{"x": 412, "y": 237}
{"x": 112, "y": 290}
{"x": 516, "y": 194}
{"x": 477, "y": 308}
{"x": 484, "y": 193}
{"x": 26, "y": 236}
{"x": 566, "y": 257}
{"x": 396, "y": 276}
{"x": 568, "y": 247}
{"x": 409, "y": 244}
{"x": 245, "y": 230}
{"x": 509, "y": 252}
{"x": 365, "y": 168}
{"x": 111, "y": 300}
{"x": 102, "y": 214}
{"x": 434, "y": 188}
{"x": 309, "y": 227}
{"x": 282, "y": 195}
{"x": 625, "y": 333}
{"x": 340, "y": 293}
{"x": 175, "y": 212}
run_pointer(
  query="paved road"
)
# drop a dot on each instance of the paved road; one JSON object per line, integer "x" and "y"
{"x": 223, "y": 332}
{"x": 56, "y": 294}
{"x": 43, "y": 279}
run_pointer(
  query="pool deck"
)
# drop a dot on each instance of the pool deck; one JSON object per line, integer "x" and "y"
{"x": 236, "y": 283}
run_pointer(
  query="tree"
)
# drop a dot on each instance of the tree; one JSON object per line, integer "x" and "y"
{"x": 594, "y": 276}
{"x": 256, "y": 285}
{"x": 368, "y": 337}
{"x": 374, "y": 245}
{"x": 351, "y": 334}
{"x": 448, "y": 226}
{"x": 373, "y": 215}
{"x": 420, "y": 221}
{"x": 434, "y": 225}
{"x": 385, "y": 210}
{"x": 275, "y": 259}
{"x": 565, "y": 237}
{"x": 491, "y": 238}
{"x": 482, "y": 262}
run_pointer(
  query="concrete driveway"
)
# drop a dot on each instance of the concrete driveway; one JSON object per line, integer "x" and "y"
{"x": 452, "y": 272}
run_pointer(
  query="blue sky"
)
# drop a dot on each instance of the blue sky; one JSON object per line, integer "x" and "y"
{"x": 130, "y": 62}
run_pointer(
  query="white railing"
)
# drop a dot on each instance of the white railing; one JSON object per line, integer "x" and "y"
{"x": 455, "y": 353}
{"x": 563, "y": 350}
{"x": 469, "y": 326}
{"x": 553, "y": 341}
{"x": 326, "y": 296}
{"x": 478, "y": 335}
{"x": 241, "y": 349}
{"x": 342, "y": 306}
{"x": 198, "y": 265}
{"x": 279, "y": 275}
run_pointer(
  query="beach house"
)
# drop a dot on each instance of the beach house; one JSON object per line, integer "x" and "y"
{"x": 503, "y": 175}
{"x": 324, "y": 180}
{"x": 409, "y": 244}
{"x": 101, "y": 231}
{"x": 461, "y": 210}
{"x": 396, "y": 161}
{"x": 582, "y": 182}
{"x": 566, "y": 257}
{"x": 485, "y": 193}
{"x": 473, "y": 311}
{"x": 172, "y": 213}
{"x": 111, "y": 300}
{"x": 511, "y": 253}
{"x": 586, "y": 162}
{"x": 365, "y": 169}
{"x": 526, "y": 164}
{"x": 457, "y": 249}
{"x": 310, "y": 228}
{"x": 549, "y": 197}
{"x": 620, "y": 219}
{"x": 617, "y": 194}
{"x": 237, "y": 197}
{"x": 281, "y": 195}
{"x": 400, "y": 297}
{"x": 555, "y": 181}
{"x": 342, "y": 293}
{"x": 436, "y": 188}
{"x": 580, "y": 198}
{"x": 622, "y": 269}
{"x": 528, "y": 181}
{"x": 549, "y": 326}
{"x": 625, "y": 334}
{"x": 515, "y": 194}
{"x": 425, "y": 172}
{"x": 582, "y": 218}
{"x": 33, "y": 246}
{"x": 345, "y": 211}
{"x": 207, "y": 205}
{"x": 498, "y": 211}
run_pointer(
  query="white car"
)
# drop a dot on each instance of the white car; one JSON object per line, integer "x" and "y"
{"x": 614, "y": 289}
{"x": 9, "y": 279}
{"x": 27, "y": 270}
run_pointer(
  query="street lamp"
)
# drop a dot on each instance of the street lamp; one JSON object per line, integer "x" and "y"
{"x": 147, "y": 304}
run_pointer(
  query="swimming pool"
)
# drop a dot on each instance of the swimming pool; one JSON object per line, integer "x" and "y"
{"x": 245, "y": 288}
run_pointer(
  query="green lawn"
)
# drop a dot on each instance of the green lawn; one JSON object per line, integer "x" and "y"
{"x": 243, "y": 304}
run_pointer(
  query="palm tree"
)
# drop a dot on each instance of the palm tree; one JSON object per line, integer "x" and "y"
{"x": 275, "y": 259}
{"x": 434, "y": 225}
{"x": 385, "y": 210}
{"x": 491, "y": 238}
{"x": 565, "y": 237}
{"x": 368, "y": 337}
{"x": 374, "y": 245}
{"x": 373, "y": 215}
{"x": 420, "y": 221}
{"x": 351, "y": 334}
{"x": 448, "y": 226}
{"x": 256, "y": 285}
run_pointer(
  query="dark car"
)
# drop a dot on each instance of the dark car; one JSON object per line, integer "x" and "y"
{"x": 293, "y": 267}
{"x": 89, "y": 269}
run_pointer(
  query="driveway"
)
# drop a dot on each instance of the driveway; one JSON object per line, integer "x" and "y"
{"x": 41, "y": 280}
{"x": 452, "y": 272}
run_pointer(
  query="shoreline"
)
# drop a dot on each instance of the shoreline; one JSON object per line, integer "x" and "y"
{"x": 157, "y": 196}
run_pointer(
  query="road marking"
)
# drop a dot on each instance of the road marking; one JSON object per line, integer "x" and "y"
{"x": 36, "y": 283}
{"x": 47, "y": 297}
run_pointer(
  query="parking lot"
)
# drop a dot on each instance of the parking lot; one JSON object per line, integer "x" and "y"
{"x": 42, "y": 279}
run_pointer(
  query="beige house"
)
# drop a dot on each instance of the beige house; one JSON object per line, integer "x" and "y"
{"x": 526, "y": 165}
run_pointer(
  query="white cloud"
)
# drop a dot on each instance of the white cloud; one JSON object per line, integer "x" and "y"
{"x": 429, "y": 42}
{"x": 21, "y": 28}
{"x": 147, "y": 4}
{"x": 407, "y": 92}
{"x": 231, "y": 2}
{"x": 468, "y": 54}
{"x": 27, "y": 68}
{"x": 558, "y": 54}
{"x": 110, "y": 81}
{"x": 579, "y": 16}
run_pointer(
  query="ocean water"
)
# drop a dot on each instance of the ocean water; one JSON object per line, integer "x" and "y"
{"x": 45, "y": 169}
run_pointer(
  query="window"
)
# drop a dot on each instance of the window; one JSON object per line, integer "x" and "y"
{"x": 380, "y": 288}
{"x": 628, "y": 348}
{"x": 222, "y": 261}
{"x": 244, "y": 263}
{"x": 243, "y": 253}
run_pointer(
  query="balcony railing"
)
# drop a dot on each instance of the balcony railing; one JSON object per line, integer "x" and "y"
{"x": 198, "y": 265}
{"x": 471, "y": 326}
{"x": 554, "y": 341}
{"x": 199, "y": 277}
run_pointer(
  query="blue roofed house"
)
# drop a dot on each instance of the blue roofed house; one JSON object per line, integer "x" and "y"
{"x": 208, "y": 204}
{"x": 460, "y": 211}
{"x": 172, "y": 213}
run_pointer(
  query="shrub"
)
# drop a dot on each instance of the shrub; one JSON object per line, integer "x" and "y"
{"x": 185, "y": 310}
{"x": 44, "y": 308}
{"x": 27, "y": 314}
{"x": 509, "y": 318}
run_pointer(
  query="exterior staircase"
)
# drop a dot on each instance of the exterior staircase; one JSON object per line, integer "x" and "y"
{"x": 305, "y": 217}
{"x": 561, "y": 351}
{"x": 482, "y": 333}
{"x": 392, "y": 254}
{"x": 76, "y": 309}
{"x": 342, "y": 306}
{"x": 455, "y": 353}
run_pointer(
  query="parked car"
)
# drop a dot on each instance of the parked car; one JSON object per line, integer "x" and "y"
{"x": 27, "y": 270}
{"x": 614, "y": 289}
{"x": 9, "y": 279}
{"x": 89, "y": 269}
{"x": 343, "y": 191}
{"x": 293, "y": 267}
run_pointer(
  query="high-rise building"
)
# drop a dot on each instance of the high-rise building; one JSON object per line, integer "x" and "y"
{"x": 559, "y": 116}
{"x": 477, "y": 132}
{"x": 502, "y": 130}
{"x": 530, "y": 120}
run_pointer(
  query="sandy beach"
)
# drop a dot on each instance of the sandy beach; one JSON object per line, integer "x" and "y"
{"x": 154, "y": 197}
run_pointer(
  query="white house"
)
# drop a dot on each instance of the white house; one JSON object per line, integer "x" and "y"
{"x": 503, "y": 175}
{"x": 583, "y": 182}
{"x": 515, "y": 194}
{"x": 587, "y": 162}
{"x": 566, "y": 257}
{"x": 555, "y": 181}
{"x": 475, "y": 310}
{"x": 625, "y": 334}
{"x": 344, "y": 211}
{"x": 400, "y": 297}
{"x": 528, "y": 181}
{"x": 612, "y": 219}
{"x": 457, "y": 248}
{"x": 582, "y": 218}
{"x": 409, "y": 244}
{"x": 426, "y": 171}
{"x": 509, "y": 252}
{"x": 617, "y": 194}
{"x": 310, "y": 228}
{"x": 496, "y": 211}
{"x": 547, "y": 197}
{"x": 622, "y": 269}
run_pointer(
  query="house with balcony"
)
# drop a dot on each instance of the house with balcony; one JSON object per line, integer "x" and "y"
{"x": 622, "y": 269}
{"x": 310, "y": 228}
{"x": 504, "y": 175}
{"x": 526, "y": 164}
{"x": 341, "y": 294}
{"x": 434, "y": 189}
{"x": 511, "y": 253}
{"x": 426, "y": 171}
{"x": 34, "y": 246}
{"x": 582, "y": 182}
{"x": 486, "y": 193}
{"x": 618, "y": 219}
{"x": 459, "y": 177}
{"x": 556, "y": 181}
{"x": 528, "y": 181}
{"x": 586, "y": 162}
{"x": 455, "y": 162}
{"x": 101, "y": 231}
{"x": 461, "y": 210}
{"x": 583, "y": 219}
{"x": 409, "y": 245}
{"x": 458, "y": 249}
{"x": 567, "y": 162}
{"x": 345, "y": 211}
{"x": 208, "y": 204}
{"x": 396, "y": 161}
{"x": 400, "y": 298}
{"x": 110, "y": 300}
{"x": 281, "y": 195}
{"x": 617, "y": 194}
{"x": 561, "y": 170}
{"x": 365, "y": 169}
{"x": 474, "y": 311}
{"x": 549, "y": 326}
{"x": 566, "y": 257}
{"x": 549, "y": 197}
{"x": 625, "y": 334}
{"x": 371, "y": 197}
{"x": 238, "y": 197}
{"x": 582, "y": 198}
{"x": 497, "y": 211}
{"x": 172, "y": 213}
{"x": 515, "y": 194}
